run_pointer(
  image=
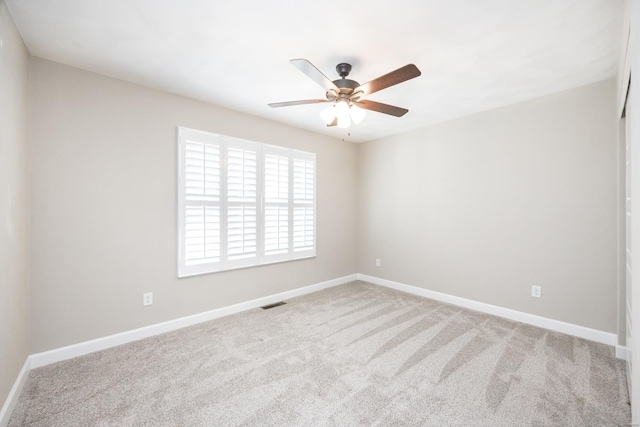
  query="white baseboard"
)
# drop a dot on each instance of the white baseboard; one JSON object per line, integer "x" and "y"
{"x": 622, "y": 353}
{"x": 80, "y": 349}
{"x": 519, "y": 316}
{"x": 45, "y": 358}
{"x": 14, "y": 394}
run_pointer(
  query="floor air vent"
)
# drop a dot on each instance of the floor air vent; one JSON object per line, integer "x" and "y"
{"x": 275, "y": 304}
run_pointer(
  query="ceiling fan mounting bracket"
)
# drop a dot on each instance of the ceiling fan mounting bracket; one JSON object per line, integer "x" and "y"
{"x": 343, "y": 69}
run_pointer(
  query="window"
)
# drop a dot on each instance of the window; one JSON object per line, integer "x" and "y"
{"x": 242, "y": 203}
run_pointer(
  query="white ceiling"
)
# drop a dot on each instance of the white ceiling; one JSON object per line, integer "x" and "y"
{"x": 474, "y": 54}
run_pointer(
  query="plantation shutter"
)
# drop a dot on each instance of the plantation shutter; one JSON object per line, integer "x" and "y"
{"x": 304, "y": 210}
{"x": 242, "y": 202}
{"x": 276, "y": 202}
{"x": 200, "y": 199}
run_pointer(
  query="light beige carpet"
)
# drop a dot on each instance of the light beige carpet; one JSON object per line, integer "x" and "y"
{"x": 356, "y": 354}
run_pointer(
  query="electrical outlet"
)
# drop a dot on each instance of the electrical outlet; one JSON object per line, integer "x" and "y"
{"x": 377, "y": 262}
{"x": 147, "y": 299}
{"x": 536, "y": 291}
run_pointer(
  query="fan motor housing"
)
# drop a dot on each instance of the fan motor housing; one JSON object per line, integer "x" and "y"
{"x": 346, "y": 87}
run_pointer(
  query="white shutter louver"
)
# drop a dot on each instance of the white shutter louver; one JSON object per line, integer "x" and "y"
{"x": 241, "y": 225}
{"x": 304, "y": 204}
{"x": 241, "y": 203}
{"x": 202, "y": 172}
{"x": 202, "y": 210}
{"x": 242, "y": 190}
{"x": 202, "y": 237}
{"x": 276, "y": 199}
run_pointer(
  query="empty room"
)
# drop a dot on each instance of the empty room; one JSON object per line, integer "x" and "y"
{"x": 218, "y": 213}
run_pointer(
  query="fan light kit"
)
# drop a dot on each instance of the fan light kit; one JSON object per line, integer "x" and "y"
{"x": 343, "y": 113}
{"x": 346, "y": 95}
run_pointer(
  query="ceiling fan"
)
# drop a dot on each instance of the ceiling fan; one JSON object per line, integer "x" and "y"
{"x": 346, "y": 95}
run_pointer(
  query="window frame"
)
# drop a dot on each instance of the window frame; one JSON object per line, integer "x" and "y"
{"x": 224, "y": 143}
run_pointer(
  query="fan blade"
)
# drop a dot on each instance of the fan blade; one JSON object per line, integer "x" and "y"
{"x": 393, "y": 78}
{"x": 316, "y": 75}
{"x": 333, "y": 123}
{"x": 382, "y": 108}
{"x": 301, "y": 102}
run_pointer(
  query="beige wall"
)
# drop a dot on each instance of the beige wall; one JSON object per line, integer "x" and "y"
{"x": 486, "y": 206}
{"x": 104, "y": 207}
{"x": 14, "y": 198}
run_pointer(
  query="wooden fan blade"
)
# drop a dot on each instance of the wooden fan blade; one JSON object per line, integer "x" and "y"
{"x": 333, "y": 123}
{"x": 382, "y": 108}
{"x": 393, "y": 78}
{"x": 316, "y": 75}
{"x": 301, "y": 102}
